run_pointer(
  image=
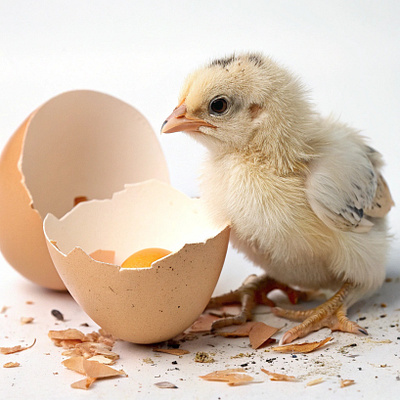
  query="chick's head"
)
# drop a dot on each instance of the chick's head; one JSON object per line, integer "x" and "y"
{"x": 238, "y": 100}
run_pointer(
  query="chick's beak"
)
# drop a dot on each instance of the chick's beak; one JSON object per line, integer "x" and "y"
{"x": 179, "y": 121}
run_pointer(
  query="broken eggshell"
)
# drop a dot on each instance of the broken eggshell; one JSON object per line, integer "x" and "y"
{"x": 79, "y": 145}
{"x": 141, "y": 305}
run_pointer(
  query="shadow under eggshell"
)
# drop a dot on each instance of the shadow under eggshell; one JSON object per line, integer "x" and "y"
{"x": 140, "y": 305}
{"x": 80, "y": 144}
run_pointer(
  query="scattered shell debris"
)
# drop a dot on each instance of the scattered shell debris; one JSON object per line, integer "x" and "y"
{"x": 258, "y": 333}
{"x": 15, "y": 349}
{"x": 90, "y": 355}
{"x": 346, "y": 382}
{"x": 273, "y": 376}
{"x": 166, "y": 385}
{"x": 175, "y": 352}
{"x": 11, "y": 365}
{"x": 233, "y": 376}
{"x": 4, "y": 309}
{"x": 306, "y": 347}
{"x": 315, "y": 382}
{"x": 26, "y": 320}
{"x": 230, "y": 355}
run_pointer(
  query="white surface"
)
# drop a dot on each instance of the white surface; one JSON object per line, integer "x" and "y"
{"x": 347, "y": 53}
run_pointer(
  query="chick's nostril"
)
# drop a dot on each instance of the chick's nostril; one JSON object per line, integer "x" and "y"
{"x": 162, "y": 126}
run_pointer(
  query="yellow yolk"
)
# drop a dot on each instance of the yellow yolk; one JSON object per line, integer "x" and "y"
{"x": 144, "y": 258}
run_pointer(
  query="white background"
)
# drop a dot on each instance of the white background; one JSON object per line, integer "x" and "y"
{"x": 346, "y": 52}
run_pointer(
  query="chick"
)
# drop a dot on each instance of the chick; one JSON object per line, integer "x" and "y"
{"x": 304, "y": 194}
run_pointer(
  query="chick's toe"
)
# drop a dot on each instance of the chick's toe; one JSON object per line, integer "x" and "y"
{"x": 253, "y": 291}
{"x": 331, "y": 314}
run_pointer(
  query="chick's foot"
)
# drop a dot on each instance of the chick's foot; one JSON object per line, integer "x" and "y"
{"x": 253, "y": 291}
{"x": 331, "y": 314}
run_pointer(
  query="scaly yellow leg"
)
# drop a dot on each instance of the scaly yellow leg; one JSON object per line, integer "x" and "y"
{"x": 331, "y": 314}
{"x": 253, "y": 291}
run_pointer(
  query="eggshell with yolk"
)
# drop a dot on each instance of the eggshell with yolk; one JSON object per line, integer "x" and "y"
{"x": 145, "y": 305}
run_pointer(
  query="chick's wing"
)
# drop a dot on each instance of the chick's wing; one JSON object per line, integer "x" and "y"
{"x": 345, "y": 186}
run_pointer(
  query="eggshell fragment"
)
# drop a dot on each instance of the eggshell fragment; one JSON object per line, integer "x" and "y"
{"x": 78, "y": 146}
{"x": 306, "y": 347}
{"x": 142, "y": 305}
{"x": 234, "y": 376}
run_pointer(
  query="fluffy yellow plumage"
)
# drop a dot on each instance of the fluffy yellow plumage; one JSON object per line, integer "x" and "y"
{"x": 304, "y": 194}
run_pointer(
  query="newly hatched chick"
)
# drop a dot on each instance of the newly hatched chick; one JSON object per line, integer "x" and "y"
{"x": 304, "y": 194}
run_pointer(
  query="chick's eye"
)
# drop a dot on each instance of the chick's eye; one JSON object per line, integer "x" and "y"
{"x": 218, "y": 106}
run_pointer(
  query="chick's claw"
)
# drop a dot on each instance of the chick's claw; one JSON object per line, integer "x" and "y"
{"x": 331, "y": 314}
{"x": 253, "y": 291}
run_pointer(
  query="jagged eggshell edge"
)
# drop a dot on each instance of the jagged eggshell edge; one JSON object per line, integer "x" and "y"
{"x": 140, "y": 305}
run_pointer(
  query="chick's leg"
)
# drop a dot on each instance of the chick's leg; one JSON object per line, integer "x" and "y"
{"x": 253, "y": 291}
{"x": 331, "y": 314}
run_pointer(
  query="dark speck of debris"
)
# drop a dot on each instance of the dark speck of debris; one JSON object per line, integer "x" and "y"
{"x": 294, "y": 356}
{"x": 85, "y": 324}
{"x": 174, "y": 362}
{"x": 57, "y": 314}
{"x": 362, "y": 318}
{"x": 172, "y": 344}
{"x": 244, "y": 365}
{"x": 270, "y": 360}
{"x": 353, "y": 345}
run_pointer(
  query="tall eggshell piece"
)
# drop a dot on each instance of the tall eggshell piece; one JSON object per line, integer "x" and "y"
{"x": 80, "y": 145}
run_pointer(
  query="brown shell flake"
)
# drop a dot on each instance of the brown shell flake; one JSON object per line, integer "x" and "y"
{"x": 26, "y": 320}
{"x": 11, "y": 365}
{"x": 203, "y": 323}
{"x": 166, "y": 385}
{"x": 242, "y": 331}
{"x": 346, "y": 382}
{"x": 175, "y": 352}
{"x": 234, "y": 377}
{"x": 90, "y": 355}
{"x": 279, "y": 377}
{"x": 4, "y": 309}
{"x": 67, "y": 334}
{"x": 15, "y": 349}
{"x": 83, "y": 384}
{"x": 259, "y": 333}
{"x": 315, "y": 382}
{"x": 306, "y": 347}
{"x": 92, "y": 369}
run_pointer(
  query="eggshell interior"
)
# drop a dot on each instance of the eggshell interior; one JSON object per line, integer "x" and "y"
{"x": 144, "y": 305}
{"x": 80, "y": 144}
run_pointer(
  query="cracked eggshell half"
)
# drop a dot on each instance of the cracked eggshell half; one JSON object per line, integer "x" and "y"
{"x": 145, "y": 305}
{"x": 79, "y": 145}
